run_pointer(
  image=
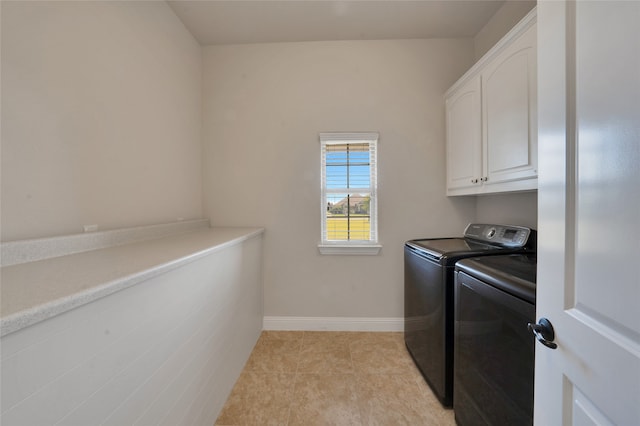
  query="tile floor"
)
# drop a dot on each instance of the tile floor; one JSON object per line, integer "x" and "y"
{"x": 332, "y": 378}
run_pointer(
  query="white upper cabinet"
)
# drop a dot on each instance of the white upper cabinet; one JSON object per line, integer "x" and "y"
{"x": 491, "y": 117}
{"x": 509, "y": 120}
{"x": 464, "y": 135}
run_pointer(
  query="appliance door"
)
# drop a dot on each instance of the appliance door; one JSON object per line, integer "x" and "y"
{"x": 494, "y": 355}
{"x": 449, "y": 250}
{"x": 428, "y": 329}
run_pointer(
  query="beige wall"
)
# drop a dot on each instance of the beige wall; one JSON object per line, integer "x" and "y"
{"x": 101, "y": 120}
{"x": 101, "y": 117}
{"x": 502, "y": 21}
{"x": 510, "y": 209}
{"x": 263, "y": 108}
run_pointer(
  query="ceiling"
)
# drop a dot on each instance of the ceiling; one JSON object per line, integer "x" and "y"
{"x": 269, "y": 21}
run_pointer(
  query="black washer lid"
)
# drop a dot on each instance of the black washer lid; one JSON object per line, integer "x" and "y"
{"x": 515, "y": 273}
{"x": 450, "y": 245}
{"x": 449, "y": 250}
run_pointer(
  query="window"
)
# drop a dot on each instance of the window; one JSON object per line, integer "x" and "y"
{"x": 349, "y": 193}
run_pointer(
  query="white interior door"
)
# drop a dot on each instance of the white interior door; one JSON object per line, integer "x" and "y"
{"x": 589, "y": 213}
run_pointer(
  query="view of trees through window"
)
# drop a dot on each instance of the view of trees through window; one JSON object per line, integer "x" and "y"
{"x": 348, "y": 217}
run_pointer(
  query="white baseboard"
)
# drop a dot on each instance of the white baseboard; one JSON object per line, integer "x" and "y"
{"x": 332, "y": 324}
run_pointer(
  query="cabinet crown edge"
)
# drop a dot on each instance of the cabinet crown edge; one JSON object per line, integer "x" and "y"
{"x": 523, "y": 25}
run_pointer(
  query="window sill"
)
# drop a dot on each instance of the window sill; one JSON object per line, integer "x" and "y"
{"x": 350, "y": 249}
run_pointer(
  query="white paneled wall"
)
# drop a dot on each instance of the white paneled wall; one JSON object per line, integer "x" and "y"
{"x": 166, "y": 351}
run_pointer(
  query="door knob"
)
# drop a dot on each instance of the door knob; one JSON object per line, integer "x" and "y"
{"x": 544, "y": 333}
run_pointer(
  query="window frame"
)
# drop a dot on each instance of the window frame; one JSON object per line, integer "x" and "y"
{"x": 350, "y": 247}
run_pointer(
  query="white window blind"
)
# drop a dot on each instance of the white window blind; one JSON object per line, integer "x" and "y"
{"x": 349, "y": 189}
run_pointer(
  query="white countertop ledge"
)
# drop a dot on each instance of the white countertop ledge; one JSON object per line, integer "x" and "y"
{"x": 35, "y": 291}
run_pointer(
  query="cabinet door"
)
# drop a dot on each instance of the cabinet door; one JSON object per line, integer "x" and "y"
{"x": 464, "y": 136}
{"x": 509, "y": 103}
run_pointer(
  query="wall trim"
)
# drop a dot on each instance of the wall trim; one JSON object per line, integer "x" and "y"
{"x": 332, "y": 324}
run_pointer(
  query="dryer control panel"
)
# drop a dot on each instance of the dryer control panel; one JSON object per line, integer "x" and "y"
{"x": 501, "y": 235}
